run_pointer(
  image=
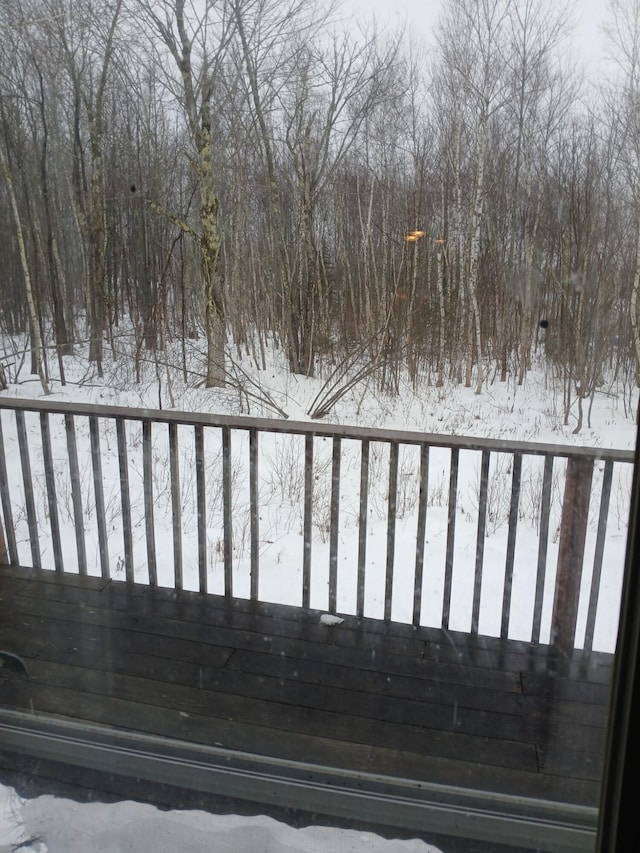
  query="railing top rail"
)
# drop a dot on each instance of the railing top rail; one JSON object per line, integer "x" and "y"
{"x": 496, "y": 445}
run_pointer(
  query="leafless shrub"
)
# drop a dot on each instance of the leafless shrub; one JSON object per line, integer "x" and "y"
{"x": 408, "y": 486}
{"x": 531, "y": 487}
{"x": 498, "y": 494}
{"x": 321, "y": 494}
{"x": 286, "y": 469}
{"x": 438, "y": 491}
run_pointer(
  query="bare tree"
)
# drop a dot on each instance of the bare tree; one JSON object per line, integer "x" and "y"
{"x": 352, "y": 202}
{"x": 540, "y": 94}
{"x": 623, "y": 33}
{"x": 311, "y": 92}
{"x": 34, "y": 320}
{"x": 197, "y": 37}
{"x": 336, "y": 90}
{"x": 87, "y": 36}
{"x": 474, "y": 48}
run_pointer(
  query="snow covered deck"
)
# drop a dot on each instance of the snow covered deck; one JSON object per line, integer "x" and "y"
{"x": 365, "y": 695}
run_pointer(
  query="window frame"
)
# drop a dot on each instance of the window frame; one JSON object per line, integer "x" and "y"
{"x": 618, "y": 803}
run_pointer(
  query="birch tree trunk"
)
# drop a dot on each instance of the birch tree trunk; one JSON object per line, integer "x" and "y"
{"x": 34, "y": 323}
{"x": 210, "y": 253}
{"x": 474, "y": 255}
{"x": 182, "y": 31}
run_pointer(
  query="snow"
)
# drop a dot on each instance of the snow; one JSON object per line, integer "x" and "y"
{"x": 328, "y": 619}
{"x": 55, "y": 825}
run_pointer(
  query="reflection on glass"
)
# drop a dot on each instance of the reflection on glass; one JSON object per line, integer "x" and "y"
{"x": 318, "y": 394}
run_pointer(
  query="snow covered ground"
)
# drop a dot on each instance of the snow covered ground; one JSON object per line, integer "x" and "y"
{"x": 55, "y": 825}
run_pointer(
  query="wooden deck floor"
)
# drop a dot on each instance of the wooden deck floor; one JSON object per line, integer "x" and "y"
{"x": 383, "y": 698}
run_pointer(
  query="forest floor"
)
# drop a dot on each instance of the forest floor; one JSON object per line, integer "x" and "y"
{"x": 532, "y": 411}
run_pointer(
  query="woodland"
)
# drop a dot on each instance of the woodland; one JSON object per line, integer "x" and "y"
{"x": 186, "y": 181}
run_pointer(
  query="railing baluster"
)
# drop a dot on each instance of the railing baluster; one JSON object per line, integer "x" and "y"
{"x": 421, "y": 532}
{"x": 391, "y": 527}
{"x": 599, "y": 553}
{"x": 308, "y": 520}
{"x": 52, "y": 501}
{"x": 176, "y": 504}
{"x": 98, "y": 490}
{"x": 545, "y": 512}
{"x": 451, "y": 532}
{"x": 226, "y": 512}
{"x": 573, "y": 533}
{"x": 32, "y": 520}
{"x": 10, "y": 532}
{"x": 76, "y": 492}
{"x": 362, "y": 525}
{"x": 125, "y": 499}
{"x": 511, "y": 544}
{"x": 482, "y": 522}
{"x": 147, "y": 477}
{"x": 201, "y": 508}
{"x": 255, "y": 515}
{"x": 334, "y": 529}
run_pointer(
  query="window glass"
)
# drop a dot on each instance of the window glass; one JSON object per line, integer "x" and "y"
{"x": 319, "y": 356}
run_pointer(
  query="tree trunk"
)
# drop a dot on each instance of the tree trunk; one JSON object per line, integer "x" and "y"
{"x": 634, "y": 305}
{"x": 210, "y": 257}
{"x": 474, "y": 260}
{"x": 97, "y": 292}
{"x": 34, "y": 324}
